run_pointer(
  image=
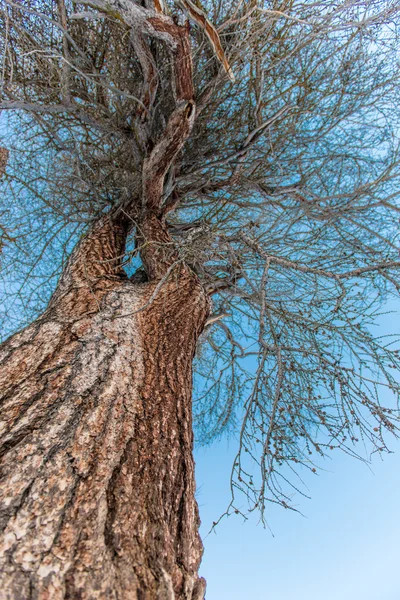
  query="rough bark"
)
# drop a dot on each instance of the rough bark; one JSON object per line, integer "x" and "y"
{"x": 97, "y": 475}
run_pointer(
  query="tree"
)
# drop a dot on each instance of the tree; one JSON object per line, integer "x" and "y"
{"x": 252, "y": 223}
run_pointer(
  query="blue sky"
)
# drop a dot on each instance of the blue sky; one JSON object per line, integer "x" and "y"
{"x": 345, "y": 547}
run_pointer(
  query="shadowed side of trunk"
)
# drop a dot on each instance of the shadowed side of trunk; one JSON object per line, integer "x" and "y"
{"x": 97, "y": 482}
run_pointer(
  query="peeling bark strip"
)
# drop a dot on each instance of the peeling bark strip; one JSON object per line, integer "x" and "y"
{"x": 199, "y": 16}
{"x": 183, "y": 65}
{"x": 97, "y": 475}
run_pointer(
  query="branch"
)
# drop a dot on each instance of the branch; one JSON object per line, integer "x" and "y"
{"x": 3, "y": 160}
{"x": 68, "y": 110}
{"x": 156, "y": 166}
{"x": 65, "y": 73}
{"x": 149, "y": 69}
{"x": 158, "y": 25}
{"x": 394, "y": 264}
{"x": 214, "y": 318}
{"x": 158, "y": 251}
{"x": 199, "y": 17}
{"x": 150, "y": 22}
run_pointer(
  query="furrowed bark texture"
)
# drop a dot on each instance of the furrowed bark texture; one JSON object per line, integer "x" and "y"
{"x": 97, "y": 475}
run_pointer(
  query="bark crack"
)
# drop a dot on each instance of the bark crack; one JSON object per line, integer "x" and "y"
{"x": 112, "y": 502}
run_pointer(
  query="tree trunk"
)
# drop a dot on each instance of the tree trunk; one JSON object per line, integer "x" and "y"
{"x": 97, "y": 481}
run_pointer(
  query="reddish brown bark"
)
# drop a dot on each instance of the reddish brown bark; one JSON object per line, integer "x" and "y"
{"x": 97, "y": 475}
{"x": 182, "y": 56}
